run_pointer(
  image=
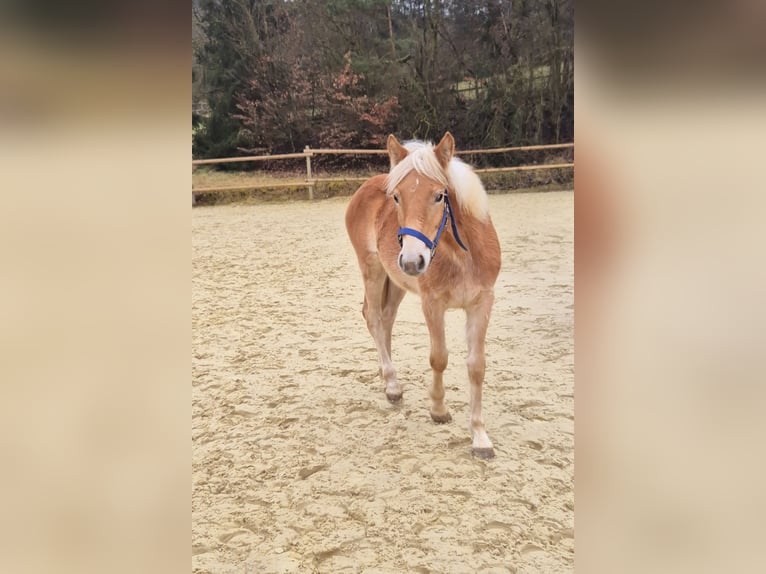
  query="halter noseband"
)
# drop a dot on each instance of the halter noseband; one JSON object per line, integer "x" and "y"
{"x": 432, "y": 244}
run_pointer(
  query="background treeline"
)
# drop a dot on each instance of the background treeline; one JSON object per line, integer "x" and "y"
{"x": 273, "y": 76}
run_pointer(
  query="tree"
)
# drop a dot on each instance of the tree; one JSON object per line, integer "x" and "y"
{"x": 281, "y": 74}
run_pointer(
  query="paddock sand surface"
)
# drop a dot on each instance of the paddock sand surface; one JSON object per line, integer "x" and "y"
{"x": 300, "y": 464}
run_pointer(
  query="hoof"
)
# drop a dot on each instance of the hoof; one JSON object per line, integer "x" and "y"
{"x": 483, "y": 453}
{"x": 441, "y": 419}
{"x": 394, "y": 397}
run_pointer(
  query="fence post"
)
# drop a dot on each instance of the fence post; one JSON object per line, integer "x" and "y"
{"x": 307, "y": 151}
{"x": 194, "y": 195}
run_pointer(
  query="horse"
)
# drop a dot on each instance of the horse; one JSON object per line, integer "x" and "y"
{"x": 425, "y": 228}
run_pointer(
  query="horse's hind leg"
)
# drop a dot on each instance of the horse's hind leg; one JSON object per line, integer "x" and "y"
{"x": 381, "y": 301}
{"x": 477, "y": 320}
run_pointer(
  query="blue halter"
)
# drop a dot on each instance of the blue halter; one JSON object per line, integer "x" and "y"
{"x": 432, "y": 244}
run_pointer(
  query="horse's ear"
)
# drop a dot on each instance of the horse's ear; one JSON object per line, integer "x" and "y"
{"x": 396, "y": 151}
{"x": 445, "y": 150}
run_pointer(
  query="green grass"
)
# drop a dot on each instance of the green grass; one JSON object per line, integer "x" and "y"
{"x": 468, "y": 89}
{"x": 203, "y": 176}
{"x": 207, "y": 177}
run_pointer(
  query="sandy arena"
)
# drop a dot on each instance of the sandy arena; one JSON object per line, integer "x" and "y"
{"x": 299, "y": 462}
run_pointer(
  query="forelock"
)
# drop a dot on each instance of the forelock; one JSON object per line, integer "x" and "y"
{"x": 422, "y": 159}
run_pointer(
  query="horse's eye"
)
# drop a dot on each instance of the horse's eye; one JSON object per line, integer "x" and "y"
{"x": 439, "y": 197}
{"x": 396, "y": 199}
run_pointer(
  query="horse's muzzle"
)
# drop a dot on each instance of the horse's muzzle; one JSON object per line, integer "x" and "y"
{"x": 412, "y": 267}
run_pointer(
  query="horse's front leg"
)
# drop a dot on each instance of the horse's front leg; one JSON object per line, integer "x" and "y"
{"x": 434, "y": 315}
{"x": 477, "y": 320}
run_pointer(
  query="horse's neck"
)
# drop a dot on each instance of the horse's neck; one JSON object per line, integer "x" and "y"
{"x": 461, "y": 216}
{"x": 466, "y": 224}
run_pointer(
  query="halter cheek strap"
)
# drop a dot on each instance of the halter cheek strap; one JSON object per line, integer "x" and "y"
{"x": 432, "y": 244}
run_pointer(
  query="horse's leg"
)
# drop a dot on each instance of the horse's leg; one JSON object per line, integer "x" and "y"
{"x": 392, "y": 297}
{"x": 477, "y": 319}
{"x": 380, "y": 318}
{"x": 434, "y": 315}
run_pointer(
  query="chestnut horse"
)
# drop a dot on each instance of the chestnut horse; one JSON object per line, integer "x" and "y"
{"x": 425, "y": 228}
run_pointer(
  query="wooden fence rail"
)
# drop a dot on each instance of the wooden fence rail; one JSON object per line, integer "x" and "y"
{"x": 310, "y": 181}
{"x": 248, "y": 158}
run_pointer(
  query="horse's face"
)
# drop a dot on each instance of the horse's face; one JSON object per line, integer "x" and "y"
{"x": 420, "y": 200}
{"x": 420, "y": 205}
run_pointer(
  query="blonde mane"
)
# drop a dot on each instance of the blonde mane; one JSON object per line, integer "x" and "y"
{"x": 458, "y": 178}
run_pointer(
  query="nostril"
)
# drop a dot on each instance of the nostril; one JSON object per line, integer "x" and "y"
{"x": 400, "y": 261}
{"x": 421, "y": 263}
